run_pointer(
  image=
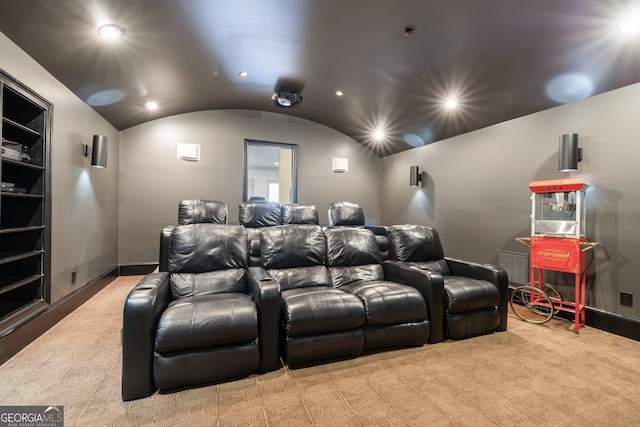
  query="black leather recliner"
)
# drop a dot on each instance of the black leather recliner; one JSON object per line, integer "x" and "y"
{"x": 204, "y": 321}
{"x": 347, "y": 214}
{"x": 254, "y": 216}
{"x": 475, "y": 295}
{"x": 396, "y": 314}
{"x": 191, "y": 212}
{"x": 318, "y": 321}
{"x": 298, "y": 214}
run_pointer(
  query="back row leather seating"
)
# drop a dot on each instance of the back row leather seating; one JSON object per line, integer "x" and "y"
{"x": 202, "y": 322}
{"x": 475, "y": 295}
{"x": 254, "y": 215}
{"x": 335, "y": 299}
{"x": 298, "y": 214}
{"x": 257, "y": 215}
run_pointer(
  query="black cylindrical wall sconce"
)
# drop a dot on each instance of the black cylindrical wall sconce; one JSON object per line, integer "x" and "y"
{"x": 98, "y": 151}
{"x": 415, "y": 176}
{"x": 99, "y": 154}
{"x": 569, "y": 154}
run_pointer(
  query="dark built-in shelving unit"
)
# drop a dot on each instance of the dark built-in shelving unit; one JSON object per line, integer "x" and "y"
{"x": 25, "y": 223}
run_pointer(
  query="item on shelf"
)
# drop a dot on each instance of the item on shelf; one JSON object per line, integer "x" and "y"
{"x": 16, "y": 151}
{"x": 13, "y": 154}
{"x": 7, "y": 184}
{"x": 14, "y": 145}
{"x": 17, "y": 190}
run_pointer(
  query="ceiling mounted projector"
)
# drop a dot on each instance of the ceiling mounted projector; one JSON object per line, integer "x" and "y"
{"x": 286, "y": 99}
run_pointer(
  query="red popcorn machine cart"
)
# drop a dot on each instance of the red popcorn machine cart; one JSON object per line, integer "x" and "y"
{"x": 557, "y": 243}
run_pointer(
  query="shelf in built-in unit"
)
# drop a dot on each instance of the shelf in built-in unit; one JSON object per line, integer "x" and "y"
{"x": 16, "y": 256}
{"x": 23, "y": 164}
{"x": 28, "y": 196}
{"x": 21, "y": 127}
{"x": 20, "y": 229}
{"x": 19, "y": 283}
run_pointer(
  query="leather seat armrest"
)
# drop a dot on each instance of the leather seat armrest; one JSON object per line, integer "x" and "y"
{"x": 430, "y": 284}
{"x": 142, "y": 309}
{"x": 265, "y": 291}
{"x": 490, "y": 273}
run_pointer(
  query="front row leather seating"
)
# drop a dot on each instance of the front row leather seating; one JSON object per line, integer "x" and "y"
{"x": 318, "y": 295}
{"x": 475, "y": 295}
{"x": 202, "y": 322}
{"x": 396, "y": 314}
{"x": 318, "y": 321}
{"x": 335, "y": 301}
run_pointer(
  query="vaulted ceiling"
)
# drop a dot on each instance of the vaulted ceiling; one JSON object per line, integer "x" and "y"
{"x": 500, "y": 59}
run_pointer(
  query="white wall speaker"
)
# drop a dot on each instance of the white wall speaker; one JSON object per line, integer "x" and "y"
{"x": 189, "y": 151}
{"x": 340, "y": 165}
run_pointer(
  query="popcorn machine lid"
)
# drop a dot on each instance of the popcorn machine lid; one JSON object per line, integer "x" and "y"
{"x": 558, "y": 185}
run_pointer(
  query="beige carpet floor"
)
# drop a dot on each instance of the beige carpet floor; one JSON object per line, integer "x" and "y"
{"x": 530, "y": 375}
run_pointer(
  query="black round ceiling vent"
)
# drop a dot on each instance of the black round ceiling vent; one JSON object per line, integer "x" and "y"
{"x": 286, "y": 99}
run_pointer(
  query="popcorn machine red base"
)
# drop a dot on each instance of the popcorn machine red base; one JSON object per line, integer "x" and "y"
{"x": 557, "y": 239}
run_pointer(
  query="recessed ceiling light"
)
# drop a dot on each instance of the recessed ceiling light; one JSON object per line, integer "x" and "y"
{"x": 151, "y": 105}
{"x": 451, "y": 103}
{"x": 339, "y": 93}
{"x": 378, "y": 134}
{"x": 630, "y": 24}
{"x": 243, "y": 73}
{"x": 110, "y": 31}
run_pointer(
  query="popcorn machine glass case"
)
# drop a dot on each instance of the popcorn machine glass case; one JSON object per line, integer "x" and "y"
{"x": 558, "y": 208}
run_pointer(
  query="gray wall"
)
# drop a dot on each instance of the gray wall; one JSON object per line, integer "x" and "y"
{"x": 85, "y": 201}
{"x": 153, "y": 180}
{"x": 477, "y": 194}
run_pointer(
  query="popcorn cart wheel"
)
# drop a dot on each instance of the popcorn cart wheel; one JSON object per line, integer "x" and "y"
{"x": 535, "y": 305}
